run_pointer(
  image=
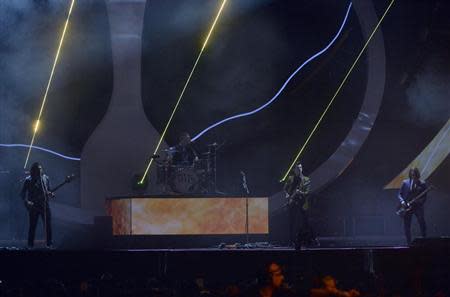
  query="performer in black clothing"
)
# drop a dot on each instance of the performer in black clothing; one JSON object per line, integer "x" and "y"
{"x": 297, "y": 189}
{"x": 35, "y": 194}
{"x": 411, "y": 188}
{"x": 184, "y": 152}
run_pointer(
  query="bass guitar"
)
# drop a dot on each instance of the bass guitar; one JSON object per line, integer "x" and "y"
{"x": 31, "y": 205}
{"x": 295, "y": 198}
{"x": 409, "y": 206}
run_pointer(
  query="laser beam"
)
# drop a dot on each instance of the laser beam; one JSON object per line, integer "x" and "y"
{"x": 41, "y": 110}
{"x": 20, "y": 145}
{"x": 184, "y": 89}
{"x": 337, "y": 92}
{"x": 313, "y": 57}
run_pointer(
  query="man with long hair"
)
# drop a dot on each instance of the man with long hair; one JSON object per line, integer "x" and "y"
{"x": 35, "y": 194}
{"x": 412, "y": 187}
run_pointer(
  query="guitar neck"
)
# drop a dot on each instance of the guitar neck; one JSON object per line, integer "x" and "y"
{"x": 58, "y": 186}
{"x": 421, "y": 195}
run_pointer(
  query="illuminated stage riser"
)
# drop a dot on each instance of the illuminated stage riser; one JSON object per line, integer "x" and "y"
{"x": 188, "y": 216}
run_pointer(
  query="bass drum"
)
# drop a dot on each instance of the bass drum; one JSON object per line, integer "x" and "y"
{"x": 185, "y": 180}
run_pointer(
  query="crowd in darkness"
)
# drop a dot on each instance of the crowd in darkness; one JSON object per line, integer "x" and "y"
{"x": 271, "y": 281}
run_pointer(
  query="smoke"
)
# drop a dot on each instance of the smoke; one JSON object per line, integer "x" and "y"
{"x": 25, "y": 61}
{"x": 29, "y": 35}
{"x": 239, "y": 71}
{"x": 174, "y": 20}
{"x": 429, "y": 96}
{"x": 188, "y": 13}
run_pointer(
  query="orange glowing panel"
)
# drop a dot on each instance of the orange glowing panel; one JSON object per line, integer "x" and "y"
{"x": 120, "y": 211}
{"x": 195, "y": 216}
{"x": 258, "y": 216}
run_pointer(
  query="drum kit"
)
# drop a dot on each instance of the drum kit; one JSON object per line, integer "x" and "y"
{"x": 196, "y": 178}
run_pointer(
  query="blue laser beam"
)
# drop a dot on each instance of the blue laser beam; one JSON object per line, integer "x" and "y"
{"x": 14, "y": 145}
{"x": 319, "y": 53}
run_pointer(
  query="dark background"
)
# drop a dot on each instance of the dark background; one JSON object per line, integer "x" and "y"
{"x": 255, "y": 47}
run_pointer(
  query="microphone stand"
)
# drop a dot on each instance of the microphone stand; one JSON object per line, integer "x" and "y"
{"x": 44, "y": 190}
{"x": 247, "y": 193}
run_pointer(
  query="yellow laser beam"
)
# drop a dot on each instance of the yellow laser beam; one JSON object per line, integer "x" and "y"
{"x": 336, "y": 93}
{"x": 38, "y": 121}
{"x": 183, "y": 90}
{"x": 36, "y": 126}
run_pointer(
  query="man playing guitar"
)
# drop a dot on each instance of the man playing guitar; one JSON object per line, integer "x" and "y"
{"x": 297, "y": 188}
{"x": 35, "y": 194}
{"x": 411, "y": 188}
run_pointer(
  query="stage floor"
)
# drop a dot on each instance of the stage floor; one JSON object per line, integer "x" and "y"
{"x": 216, "y": 262}
{"x": 376, "y": 269}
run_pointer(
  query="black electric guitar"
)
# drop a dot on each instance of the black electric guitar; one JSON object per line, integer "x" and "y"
{"x": 409, "y": 206}
{"x": 297, "y": 197}
{"x": 50, "y": 194}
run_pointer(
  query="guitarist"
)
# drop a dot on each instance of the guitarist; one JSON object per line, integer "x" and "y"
{"x": 35, "y": 194}
{"x": 297, "y": 188}
{"x": 410, "y": 188}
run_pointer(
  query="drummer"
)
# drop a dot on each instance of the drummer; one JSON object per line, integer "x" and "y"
{"x": 184, "y": 153}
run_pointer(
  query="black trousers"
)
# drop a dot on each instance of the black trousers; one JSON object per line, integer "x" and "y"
{"x": 420, "y": 215}
{"x": 46, "y": 217}
{"x": 300, "y": 231}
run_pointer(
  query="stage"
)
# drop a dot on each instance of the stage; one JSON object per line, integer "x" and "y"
{"x": 188, "y": 272}
{"x": 176, "y": 148}
{"x": 220, "y": 263}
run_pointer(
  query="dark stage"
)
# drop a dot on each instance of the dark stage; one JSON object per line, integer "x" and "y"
{"x": 175, "y": 148}
{"x": 370, "y": 270}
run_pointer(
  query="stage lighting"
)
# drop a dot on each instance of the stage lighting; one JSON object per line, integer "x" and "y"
{"x": 52, "y": 72}
{"x": 336, "y": 93}
{"x": 138, "y": 185}
{"x": 184, "y": 89}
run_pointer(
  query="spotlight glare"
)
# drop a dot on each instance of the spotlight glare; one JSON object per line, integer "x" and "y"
{"x": 36, "y": 125}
